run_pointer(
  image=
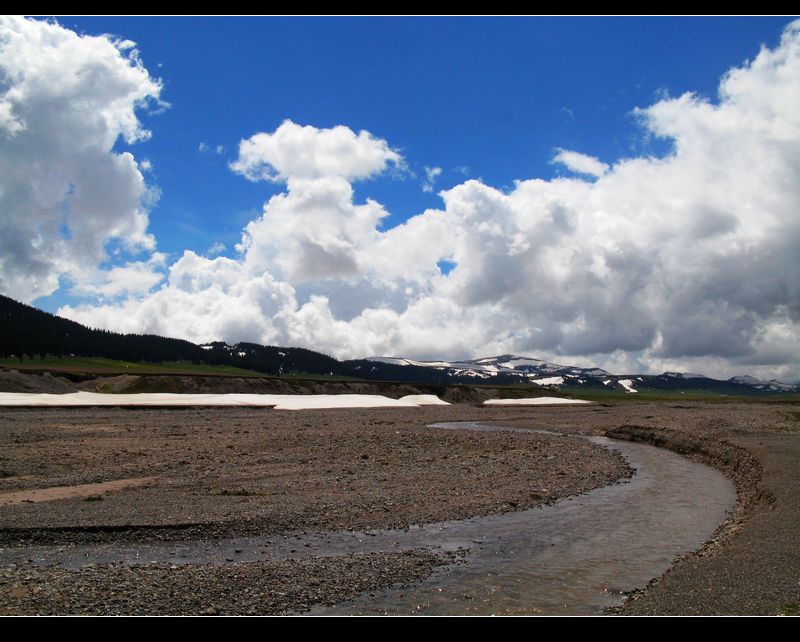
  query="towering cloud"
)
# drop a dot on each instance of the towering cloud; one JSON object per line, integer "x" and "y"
{"x": 64, "y": 193}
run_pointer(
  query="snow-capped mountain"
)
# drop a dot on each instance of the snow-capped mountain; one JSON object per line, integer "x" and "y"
{"x": 760, "y": 384}
{"x": 508, "y": 365}
{"x": 510, "y": 368}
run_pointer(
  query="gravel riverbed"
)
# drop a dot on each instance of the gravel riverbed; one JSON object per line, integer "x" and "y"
{"x": 230, "y": 472}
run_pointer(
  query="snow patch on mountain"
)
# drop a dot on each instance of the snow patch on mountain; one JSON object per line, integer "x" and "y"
{"x": 507, "y": 364}
{"x": 549, "y": 381}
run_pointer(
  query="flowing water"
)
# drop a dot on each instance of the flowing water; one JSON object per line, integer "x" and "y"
{"x": 577, "y": 556}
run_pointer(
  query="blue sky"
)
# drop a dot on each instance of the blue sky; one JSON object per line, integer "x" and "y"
{"x": 560, "y": 187}
{"x": 481, "y": 98}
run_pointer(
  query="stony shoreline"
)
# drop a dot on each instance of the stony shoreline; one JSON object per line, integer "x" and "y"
{"x": 255, "y": 588}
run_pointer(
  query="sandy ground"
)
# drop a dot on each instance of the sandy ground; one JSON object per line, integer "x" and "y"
{"x": 83, "y": 491}
{"x": 243, "y": 470}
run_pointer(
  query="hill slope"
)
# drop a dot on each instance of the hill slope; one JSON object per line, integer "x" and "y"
{"x": 25, "y": 330}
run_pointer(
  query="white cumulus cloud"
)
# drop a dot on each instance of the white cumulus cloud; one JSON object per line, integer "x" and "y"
{"x": 65, "y": 100}
{"x": 215, "y": 248}
{"x": 580, "y": 163}
{"x": 295, "y": 151}
{"x": 431, "y": 174}
{"x": 135, "y": 278}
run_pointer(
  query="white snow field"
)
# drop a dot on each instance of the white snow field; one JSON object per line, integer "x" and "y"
{"x": 532, "y": 401}
{"x": 425, "y": 400}
{"x": 278, "y": 402}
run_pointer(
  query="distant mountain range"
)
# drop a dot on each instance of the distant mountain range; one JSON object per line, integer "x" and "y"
{"x": 25, "y": 330}
{"x": 547, "y": 374}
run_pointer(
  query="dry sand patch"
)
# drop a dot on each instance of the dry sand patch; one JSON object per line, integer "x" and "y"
{"x": 71, "y": 492}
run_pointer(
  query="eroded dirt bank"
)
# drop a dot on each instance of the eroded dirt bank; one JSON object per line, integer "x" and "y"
{"x": 752, "y": 566}
{"x": 62, "y": 382}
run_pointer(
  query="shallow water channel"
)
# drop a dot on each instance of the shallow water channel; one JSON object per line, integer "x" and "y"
{"x": 577, "y": 556}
